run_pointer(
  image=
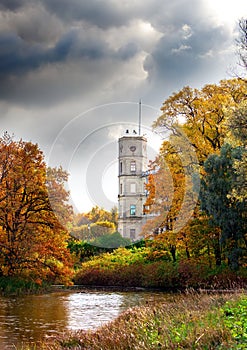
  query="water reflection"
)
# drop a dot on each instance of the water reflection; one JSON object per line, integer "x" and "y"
{"x": 89, "y": 311}
{"x": 32, "y": 318}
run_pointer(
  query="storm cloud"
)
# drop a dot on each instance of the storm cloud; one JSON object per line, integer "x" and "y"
{"x": 12, "y": 5}
{"x": 34, "y": 36}
{"x": 61, "y": 58}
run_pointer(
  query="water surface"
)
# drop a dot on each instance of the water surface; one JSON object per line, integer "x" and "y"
{"x": 36, "y": 317}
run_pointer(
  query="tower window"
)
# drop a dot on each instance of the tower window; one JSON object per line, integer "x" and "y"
{"x": 132, "y": 209}
{"x": 121, "y": 188}
{"x": 121, "y": 168}
{"x": 132, "y": 233}
{"x": 133, "y": 188}
{"x": 133, "y": 166}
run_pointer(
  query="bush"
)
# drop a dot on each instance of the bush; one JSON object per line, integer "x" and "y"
{"x": 17, "y": 286}
{"x": 133, "y": 267}
{"x": 225, "y": 278}
{"x": 111, "y": 240}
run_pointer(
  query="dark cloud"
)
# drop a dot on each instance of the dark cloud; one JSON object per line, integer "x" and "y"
{"x": 25, "y": 50}
{"x": 18, "y": 57}
{"x": 191, "y": 43}
{"x": 52, "y": 34}
{"x": 12, "y": 5}
{"x": 185, "y": 53}
{"x": 33, "y": 24}
{"x": 63, "y": 58}
{"x": 20, "y": 60}
{"x": 102, "y": 14}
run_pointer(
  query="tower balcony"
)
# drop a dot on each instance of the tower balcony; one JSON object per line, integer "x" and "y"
{"x": 134, "y": 195}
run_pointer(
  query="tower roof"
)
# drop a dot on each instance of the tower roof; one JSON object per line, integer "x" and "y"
{"x": 132, "y": 134}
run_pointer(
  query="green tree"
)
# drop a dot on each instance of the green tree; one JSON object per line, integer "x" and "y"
{"x": 238, "y": 126}
{"x": 111, "y": 240}
{"x": 226, "y": 210}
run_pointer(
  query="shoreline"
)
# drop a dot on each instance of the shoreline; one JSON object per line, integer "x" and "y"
{"x": 80, "y": 287}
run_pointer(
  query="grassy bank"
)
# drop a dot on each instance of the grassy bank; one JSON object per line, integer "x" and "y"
{"x": 191, "y": 321}
{"x": 17, "y": 286}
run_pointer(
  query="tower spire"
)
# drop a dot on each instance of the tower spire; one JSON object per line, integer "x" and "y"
{"x": 140, "y": 116}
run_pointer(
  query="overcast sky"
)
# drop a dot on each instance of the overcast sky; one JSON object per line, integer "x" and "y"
{"x": 72, "y": 73}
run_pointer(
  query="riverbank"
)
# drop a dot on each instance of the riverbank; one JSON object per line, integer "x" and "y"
{"x": 15, "y": 286}
{"x": 83, "y": 287}
{"x": 190, "y": 321}
{"x": 164, "y": 275}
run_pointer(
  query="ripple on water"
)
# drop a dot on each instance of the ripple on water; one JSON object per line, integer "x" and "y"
{"x": 32, "y": 318}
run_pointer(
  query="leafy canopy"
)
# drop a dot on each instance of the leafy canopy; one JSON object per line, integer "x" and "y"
{"x": 33, "y": 240}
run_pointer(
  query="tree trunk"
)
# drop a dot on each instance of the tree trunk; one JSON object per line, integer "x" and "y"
{"x": 173, "y": 252}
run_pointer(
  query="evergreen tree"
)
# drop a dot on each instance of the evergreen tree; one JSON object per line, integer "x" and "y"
{"x": 226, "y": 210}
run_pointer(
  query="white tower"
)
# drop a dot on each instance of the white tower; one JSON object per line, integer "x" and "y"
{"x": 132, "y": 195}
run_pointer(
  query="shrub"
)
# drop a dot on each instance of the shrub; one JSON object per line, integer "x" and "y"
{"x": 133, "y": 267}
{"x": 17, "y": 286}
{"x": 111, "y": 240}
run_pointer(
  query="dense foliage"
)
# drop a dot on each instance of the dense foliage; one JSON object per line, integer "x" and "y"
{"x": 33, "y": 209}
{"x": 227, "y": 211}
{"x": 153, "y": 267}
{"x": 94, "y": 224}
{"x": 200, "y": 202}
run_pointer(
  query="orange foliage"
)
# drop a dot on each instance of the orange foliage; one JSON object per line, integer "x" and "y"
{"x": 32, "y": 235}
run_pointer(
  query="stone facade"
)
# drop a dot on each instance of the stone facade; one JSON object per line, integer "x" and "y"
{"x": 132, "y": 162}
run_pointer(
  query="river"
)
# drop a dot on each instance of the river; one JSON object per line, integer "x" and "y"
{"x": 36, "y": 317}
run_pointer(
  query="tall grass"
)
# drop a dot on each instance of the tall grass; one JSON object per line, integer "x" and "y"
{"x": 191, "y": 321}
{"x": 17, "y": 286}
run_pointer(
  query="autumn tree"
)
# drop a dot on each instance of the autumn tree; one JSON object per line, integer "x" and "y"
{"x": 56, "y": 178}
{"x": 150, "y": 190}
{"x": 202, "y": 114}
{"x": 95, "y": 223}
{"x": 202, "y": 240}
{"x": 33, "y": 239}
{"x": 173, "y": 202}
{"x": 91, "y": 231}
{"x": 99, "y": 214}
{"x": 198, "y": 121}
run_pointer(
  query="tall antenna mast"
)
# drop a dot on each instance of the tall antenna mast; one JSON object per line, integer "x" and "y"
{"x": 140, "y": 116}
